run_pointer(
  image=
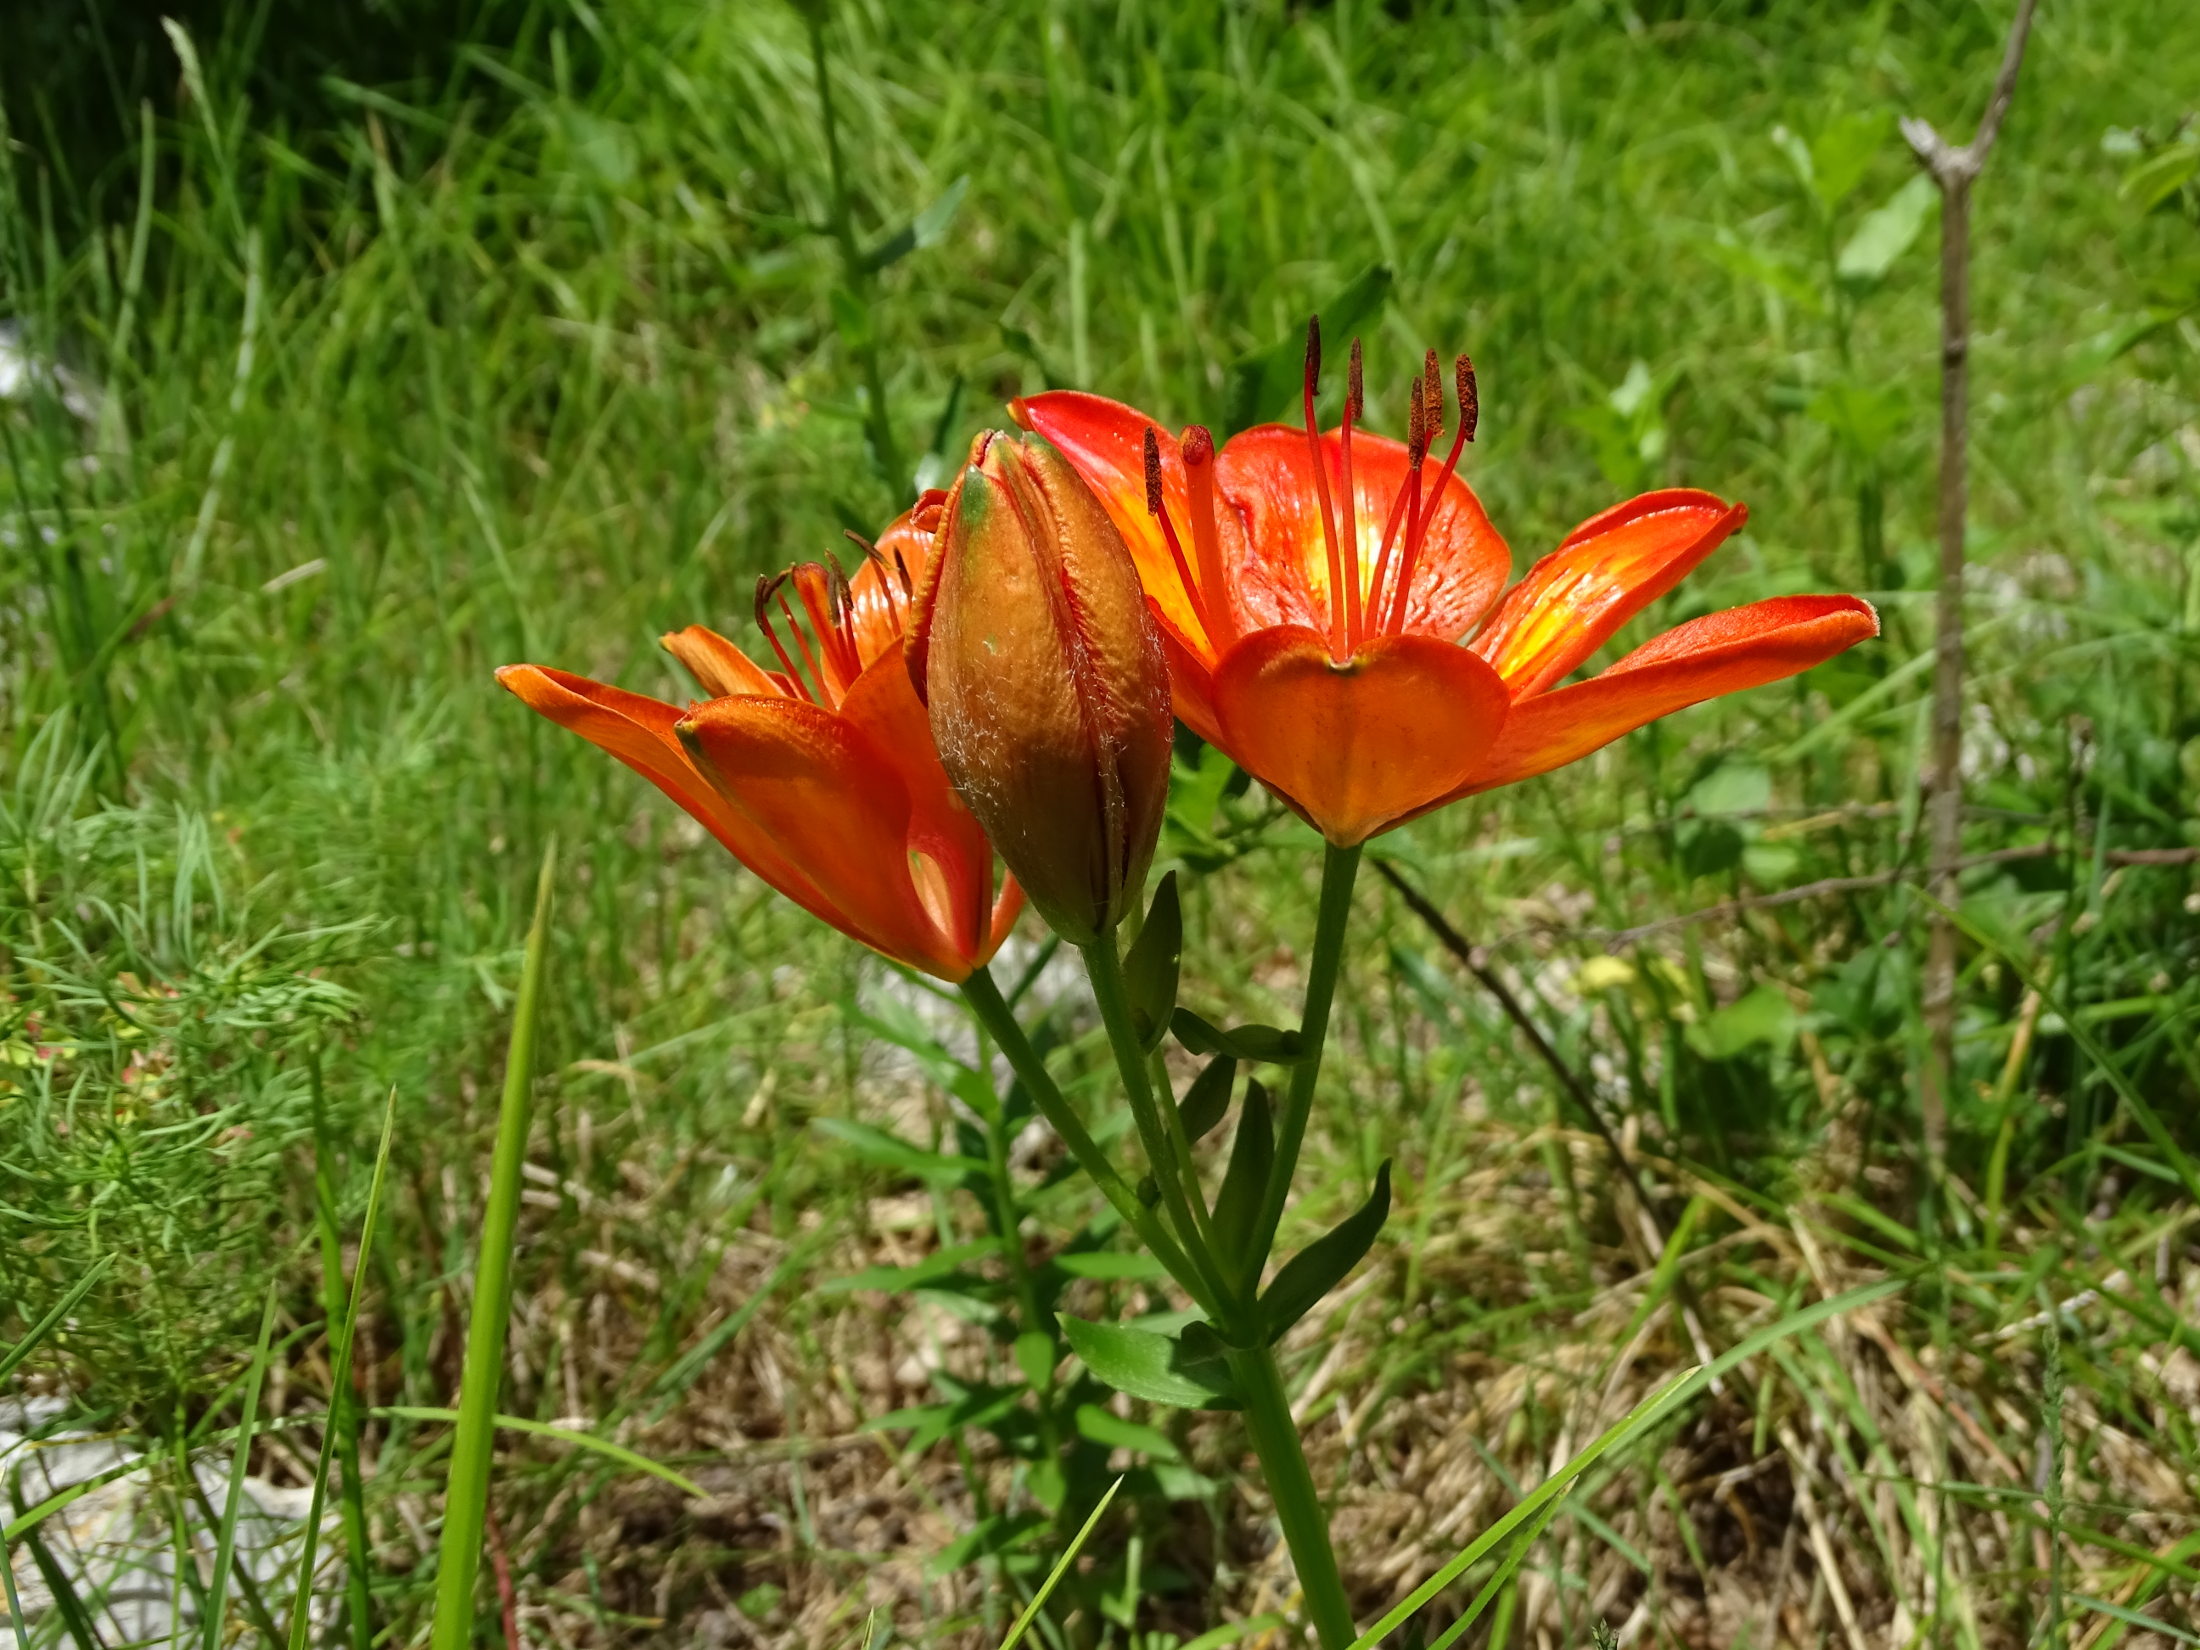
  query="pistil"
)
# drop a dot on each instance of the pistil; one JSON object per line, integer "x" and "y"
{"x": 1355, "y": 408}
{"x": 1198, "y": 448}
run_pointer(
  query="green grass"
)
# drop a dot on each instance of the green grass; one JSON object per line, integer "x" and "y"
{"x": 553, "y": 347}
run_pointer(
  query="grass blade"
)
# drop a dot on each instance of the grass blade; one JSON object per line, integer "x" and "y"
{"x": 339, "y": 1402}
{"x": 1061, "y": 1569}
{"x": 61, "y": 1309}
{"x": 466, "y": 1489}
{"x": 1637, "y": 1421}
{"x": 240, "y": 1458}
{"x": 564, "y": 1435}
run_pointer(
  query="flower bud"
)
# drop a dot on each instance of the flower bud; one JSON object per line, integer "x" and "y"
{"x": 1047, "y": 686}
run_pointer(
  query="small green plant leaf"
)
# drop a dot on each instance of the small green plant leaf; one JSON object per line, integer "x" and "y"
{"x": 927, "y": 228}
{"x": 1150, "y": 967}
{"x": 1158, "y": 1368}
{"x": 1763, "y": 1019}
{"x": 1269, "y": 1044}
{"x": 1061, "y": 1569}
{"x": 1266, "y": 382}
{"x": 1208, "y": 1099}
{"x": 1318, "y": 1268}
{"x": 1245, "y": 1184}
{"x": 889, "y": 1151}
{"x": 1887, "y": 231}
{"x": 1111, "y": 1431}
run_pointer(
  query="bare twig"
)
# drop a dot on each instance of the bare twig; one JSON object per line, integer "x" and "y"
{"x": 1953, "y": 171}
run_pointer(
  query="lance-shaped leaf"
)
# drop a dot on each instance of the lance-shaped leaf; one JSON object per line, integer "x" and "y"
{"x": 1318, "y": 1268}
{"x": 1162, "y": 1369}
{"x": 1150, "y": 966}
{"x": 1266, "y": 383}
{"x": 1208, "y": 1099}
{"x": 927, "y": 228}
{"x": 1245, "y": 1184}
{"x": 1254, "y": 1042}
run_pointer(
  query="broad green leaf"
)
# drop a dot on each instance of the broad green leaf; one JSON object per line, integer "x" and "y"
{"x": 1266, "y": 383}
{"x": 927, "y": 228}
{"x": 1150, "y": 966}
{"x": 1271, "y": 1044}
{"x": 1245, "y": 1184}
{"x": 1208, "y": 1099}
{"x": 1318, "y": 1268}
{"x": 1887, "y": 231}
{"x": 1155, "y": 1367}
{"x": 889, "y": 1151}
{"x": 1111, "y": 1431}
{"x": 1763, "y": 1019}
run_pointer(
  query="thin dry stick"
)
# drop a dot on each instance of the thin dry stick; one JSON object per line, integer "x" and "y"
{"x": 1953, "y": 171}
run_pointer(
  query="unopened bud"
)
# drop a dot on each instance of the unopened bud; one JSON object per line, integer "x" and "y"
{"x": 1048, "y": 690}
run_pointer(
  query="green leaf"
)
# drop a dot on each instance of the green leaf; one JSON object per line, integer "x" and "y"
{"x": 1109, "y": 1266}
{"x": 1111, "y": 1431}
{"x": 997, "y": 1534}
{"x": 1269, "y": 1044}
{"x": 563, "y": 1435}
{"x": 1887, "y": 231}
{"x": 1318, "y": 1268}
{"x": 1266, "y": 383}
{"x": 889, "y": 1151}
{"x": 1150, "y": 967}
{"x": 1245, "y": 1184}
{"x": 1842, "y": 153}
{"x": 1763, "y": 1019}
{"x": 2161, "y": 175}
{"x": 1208, "y": 1099}
{"x": 931, "y": 1272}
{"x": 1157, "y": 1368}
{"x": 1061, "y": 1569}
{"x": 927, "y": 228}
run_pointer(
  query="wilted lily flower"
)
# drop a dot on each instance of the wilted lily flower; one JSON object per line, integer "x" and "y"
{"x": 1043, "y": 670}
{"x": 819, "y": 776}
{"x": 1330, "y": 605}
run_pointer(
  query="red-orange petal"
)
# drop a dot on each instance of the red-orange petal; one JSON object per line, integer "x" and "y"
{"x": 1721, "y": 653}
{"x": 717, "y": 664}
{"x": 639, "y": 732}
{"x": 1605, "y": 572}
{"x": 884, "y": 704}
{"x": 1359, "y": 746}
{"x": 816, "y": 782}
{"x": 1105, "y": 443}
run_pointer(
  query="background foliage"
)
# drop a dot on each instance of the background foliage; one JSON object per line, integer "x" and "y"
{"x": 351, "y": 352}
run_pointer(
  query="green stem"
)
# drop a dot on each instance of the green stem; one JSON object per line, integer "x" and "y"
{"x": 1105, "y": 969}
{"x": 984, "y": 997}
{"x": 1340, "y": 867}
{"x": 1275, "y": 1439}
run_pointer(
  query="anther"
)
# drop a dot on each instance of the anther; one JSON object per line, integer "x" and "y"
{"x": 767, "y": 586}
{"x": 1470, "y": 399}
{"x": 1153, "y": 472}
{"x": 1313, "y": 354}
{"x": 1355, "y": 386}
{"x": 1432, "y": 397}
{"x": 1157, "y": 508}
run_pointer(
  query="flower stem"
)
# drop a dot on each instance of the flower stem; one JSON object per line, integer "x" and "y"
{"x": 1340, "y": 867}
{"x": 985, "y": 1000}
{"x": 1299, "y": 1510}
{"x": 1106, "y": 971}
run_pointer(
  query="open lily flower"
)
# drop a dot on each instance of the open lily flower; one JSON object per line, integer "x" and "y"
{"x": 820, "y": 776}
{"x": 1330, "y": 605}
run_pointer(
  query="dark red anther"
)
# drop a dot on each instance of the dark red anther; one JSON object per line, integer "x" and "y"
{"x": 1313, "y": 354}
{"x": 1355, "y": 387}
{"x": 1153, "y": 472}
{"x": 1416, "y": 427}
{"x": 1432, "y": 399}
{"x": 1470, "y": 399}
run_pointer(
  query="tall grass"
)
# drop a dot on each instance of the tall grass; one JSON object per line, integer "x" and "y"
{"x": 553, "y": 345}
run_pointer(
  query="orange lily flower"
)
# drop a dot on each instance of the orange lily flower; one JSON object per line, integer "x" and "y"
{"x": 820, "y": 776}
{"x": 1330, "y": 605}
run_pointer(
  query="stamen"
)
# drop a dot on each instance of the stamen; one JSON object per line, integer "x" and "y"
{"x": 823, "y": 589}
{"x": 767, "y": 586}
{"x": 1198, "y": 449}
{"x": 824, "y": 694}
{"x": 1416, "y": 448}
{"x": 1432, "y": 398}
{"x": 1470, "y": 409}
{"x": 1312, "y": 383}
{"x": 1157, "y": 507}
{"x": 1355, "y": 408}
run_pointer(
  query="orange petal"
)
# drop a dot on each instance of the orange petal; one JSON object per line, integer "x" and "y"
{"x": 1191, "y": 684}
{"x": 883, "y": 703}
{"x": 1743, "y": 647}
{"x": 1608, "y": 569}
{"x": 1105, "y": 442}
{"x": 639, "y": 732}
{"x": 815, "y": 782}
{"x": 717, "y": 664}
{"x": 1356, "y": 747}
